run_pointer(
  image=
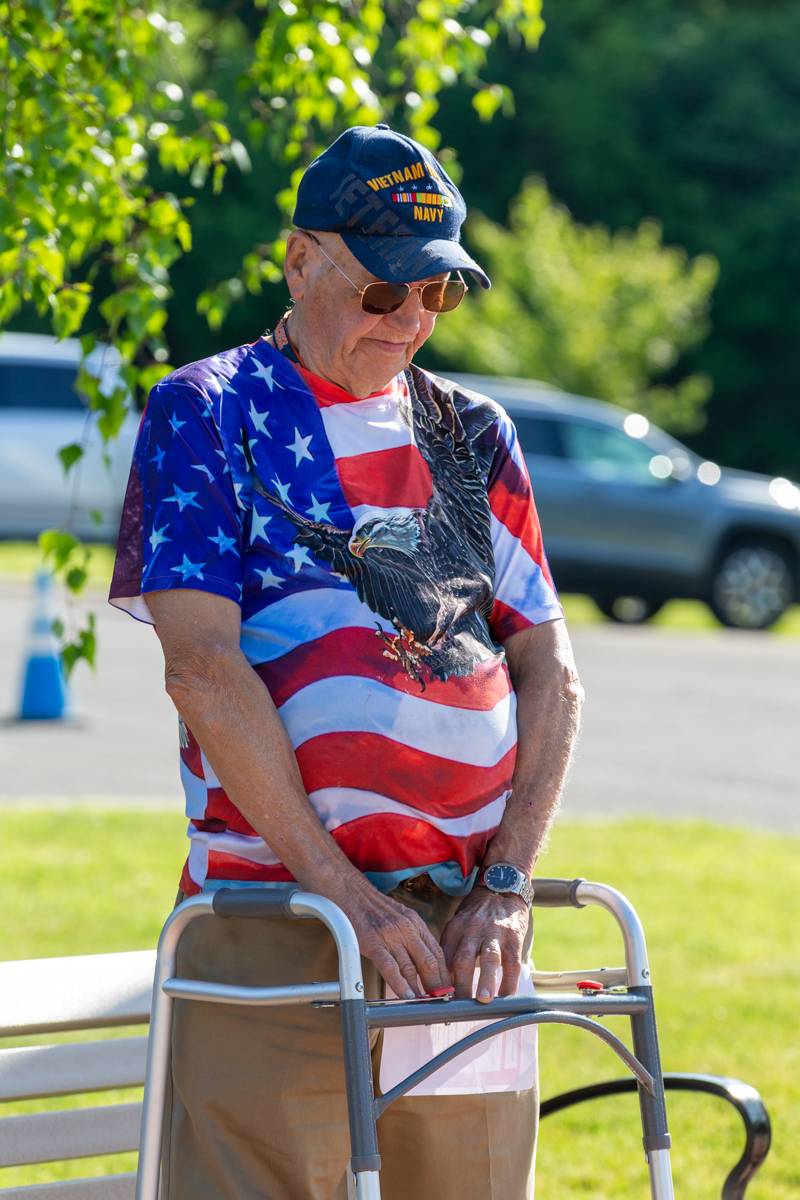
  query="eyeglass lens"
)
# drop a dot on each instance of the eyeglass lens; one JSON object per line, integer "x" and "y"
{"x": 442, "y": 295}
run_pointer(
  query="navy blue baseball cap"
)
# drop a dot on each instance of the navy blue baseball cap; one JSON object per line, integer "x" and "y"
{"x": 393, "y": 204}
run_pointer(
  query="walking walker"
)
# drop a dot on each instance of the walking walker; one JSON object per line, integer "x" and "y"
{"x": 629, "y": 994}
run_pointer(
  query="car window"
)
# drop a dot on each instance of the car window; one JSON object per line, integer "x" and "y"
{"x": 538, "y": 435}
{"x": 38, "y": 385}
{"x": 610, "y": 454}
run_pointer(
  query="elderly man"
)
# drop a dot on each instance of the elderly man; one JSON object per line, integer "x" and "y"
{"x": 376, "y": 692}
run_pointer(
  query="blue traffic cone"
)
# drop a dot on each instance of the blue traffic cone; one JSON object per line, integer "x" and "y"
{"x": 45, "y": 696}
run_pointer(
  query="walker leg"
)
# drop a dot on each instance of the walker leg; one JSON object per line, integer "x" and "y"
{"x": 658, "y": 1163}
{"x": 158, "y": 1060}
{"x": 365, "y": 1161}
{"x": 366, "y": 1185}
{"x": 653, "y": 1108}
{"x": 159, "y": 1047}
{"x": 158, "y": 1066}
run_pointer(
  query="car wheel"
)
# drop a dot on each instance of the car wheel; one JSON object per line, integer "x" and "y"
{"x": 752, "y": 587}
{"x": 628, "y": 610}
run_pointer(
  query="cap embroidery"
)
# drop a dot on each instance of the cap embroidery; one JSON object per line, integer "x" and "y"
{"x": 415, "y": 171}
{"x": 424, "y": 212}
{"x": 435, "y": 198}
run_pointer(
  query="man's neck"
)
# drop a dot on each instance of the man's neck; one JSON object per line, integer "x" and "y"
{"x": 303, "y": 343}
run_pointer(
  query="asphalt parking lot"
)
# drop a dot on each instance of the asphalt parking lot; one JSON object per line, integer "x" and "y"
{"x": 676, "y": 724}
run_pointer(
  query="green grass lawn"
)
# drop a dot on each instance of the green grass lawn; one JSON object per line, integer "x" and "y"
{"x": 19, "y": 560}
{"x": 720, "y": 916}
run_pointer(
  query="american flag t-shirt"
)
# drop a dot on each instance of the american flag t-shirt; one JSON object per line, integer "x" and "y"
{"x": 381, "y": 549}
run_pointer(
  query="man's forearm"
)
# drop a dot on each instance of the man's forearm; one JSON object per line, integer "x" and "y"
{"x": 549, "y": 701}
{"x": 232, "y": 716}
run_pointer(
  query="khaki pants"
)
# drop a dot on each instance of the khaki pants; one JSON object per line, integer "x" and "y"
{"x": 258, "y": 1105}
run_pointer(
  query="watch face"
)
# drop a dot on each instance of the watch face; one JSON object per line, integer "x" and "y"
{"x": 502, "y": 877}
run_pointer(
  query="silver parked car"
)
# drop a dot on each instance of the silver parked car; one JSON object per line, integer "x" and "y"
{"x": 40, "y": 411}
{"x": 633, "y": 518}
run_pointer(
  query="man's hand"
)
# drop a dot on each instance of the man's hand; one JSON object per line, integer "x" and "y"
{"x": 488, "y": 930}
{"x": 396, "y": 940}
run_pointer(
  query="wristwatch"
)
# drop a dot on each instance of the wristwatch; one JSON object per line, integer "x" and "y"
{"x": 507, "y": 880}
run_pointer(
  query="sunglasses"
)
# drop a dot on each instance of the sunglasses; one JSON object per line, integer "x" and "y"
{"x": 442, "y": 295}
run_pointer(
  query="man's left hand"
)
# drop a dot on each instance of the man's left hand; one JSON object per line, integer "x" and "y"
{"x": 487, "y": 930}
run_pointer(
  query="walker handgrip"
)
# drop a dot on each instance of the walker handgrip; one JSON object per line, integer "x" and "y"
{"x": 556, "y": 893}
{"x": 254, "y": 902}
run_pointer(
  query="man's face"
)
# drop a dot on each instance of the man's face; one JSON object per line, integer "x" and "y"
{"x": 337, "y": 339}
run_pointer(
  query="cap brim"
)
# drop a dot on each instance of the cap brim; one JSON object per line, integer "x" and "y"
{"x": 405, "y": 259}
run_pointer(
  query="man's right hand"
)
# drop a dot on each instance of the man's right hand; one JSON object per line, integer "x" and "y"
{"x": 396, "y": 940}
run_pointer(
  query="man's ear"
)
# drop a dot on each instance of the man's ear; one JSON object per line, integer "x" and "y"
{"x": 296, "y": 264}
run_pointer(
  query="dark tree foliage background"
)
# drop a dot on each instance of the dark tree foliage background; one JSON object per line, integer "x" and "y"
{"x": 687, "y": 111}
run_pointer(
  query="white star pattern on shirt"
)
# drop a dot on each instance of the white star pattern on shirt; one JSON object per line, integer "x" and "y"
{"x": 319, "y": 512}
{"x": 203, "y": 467}
{"x": 174, "y": 423}
{"x": 283, "y": 489}
{"x": 300, "y": 557}
{"x": 220, "y": 380}
{"x": 224, "y": 457}
{"x": 158, "y": 458}
{"x": 182, "y": 499}
{"x": 237, "y": 487}
{"x": 224, "y": 542}
{"x": 187, "y": 569}
{"x": 259, "y": 420}
{"x": 240, "y": 446}
{"x": 158, "y": 536}
{"x": 258, "y": 528}
{"x": 300, "y": 447}
{"x": 265, "y": 373}
{"x": 269, "y": 579}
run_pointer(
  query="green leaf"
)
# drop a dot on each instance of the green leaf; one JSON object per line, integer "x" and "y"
{"x": 69, "y": 307}
{"x": 217, "y": 177}
{"x": 75, "y": 578}
{"x": 240, "y": 156}
{"x": 113, "y": 409}
{"x": 69, "y": 455}
{"x": 487, "y": 101}
{"x": 82, "y": 647}
{"x": 57, "y": 546}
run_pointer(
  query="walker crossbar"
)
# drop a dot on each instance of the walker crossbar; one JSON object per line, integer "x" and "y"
{"x": 481, "y": 1035}
{"x": 225, "y": 993}
{"x": 359, "y": 1016}
{"x": 386, "y": 1014}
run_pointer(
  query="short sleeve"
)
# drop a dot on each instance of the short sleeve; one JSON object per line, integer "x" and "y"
{"x": 524, "y": 592}
{"x": 181, "y": 525}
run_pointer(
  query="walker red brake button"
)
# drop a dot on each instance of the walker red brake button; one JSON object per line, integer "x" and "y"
{"x": 437, "y": 993}
{"x": 589, "y": 985}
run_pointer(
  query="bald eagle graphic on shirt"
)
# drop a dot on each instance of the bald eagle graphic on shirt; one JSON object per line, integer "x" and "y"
{"x": 429, "y": 571}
